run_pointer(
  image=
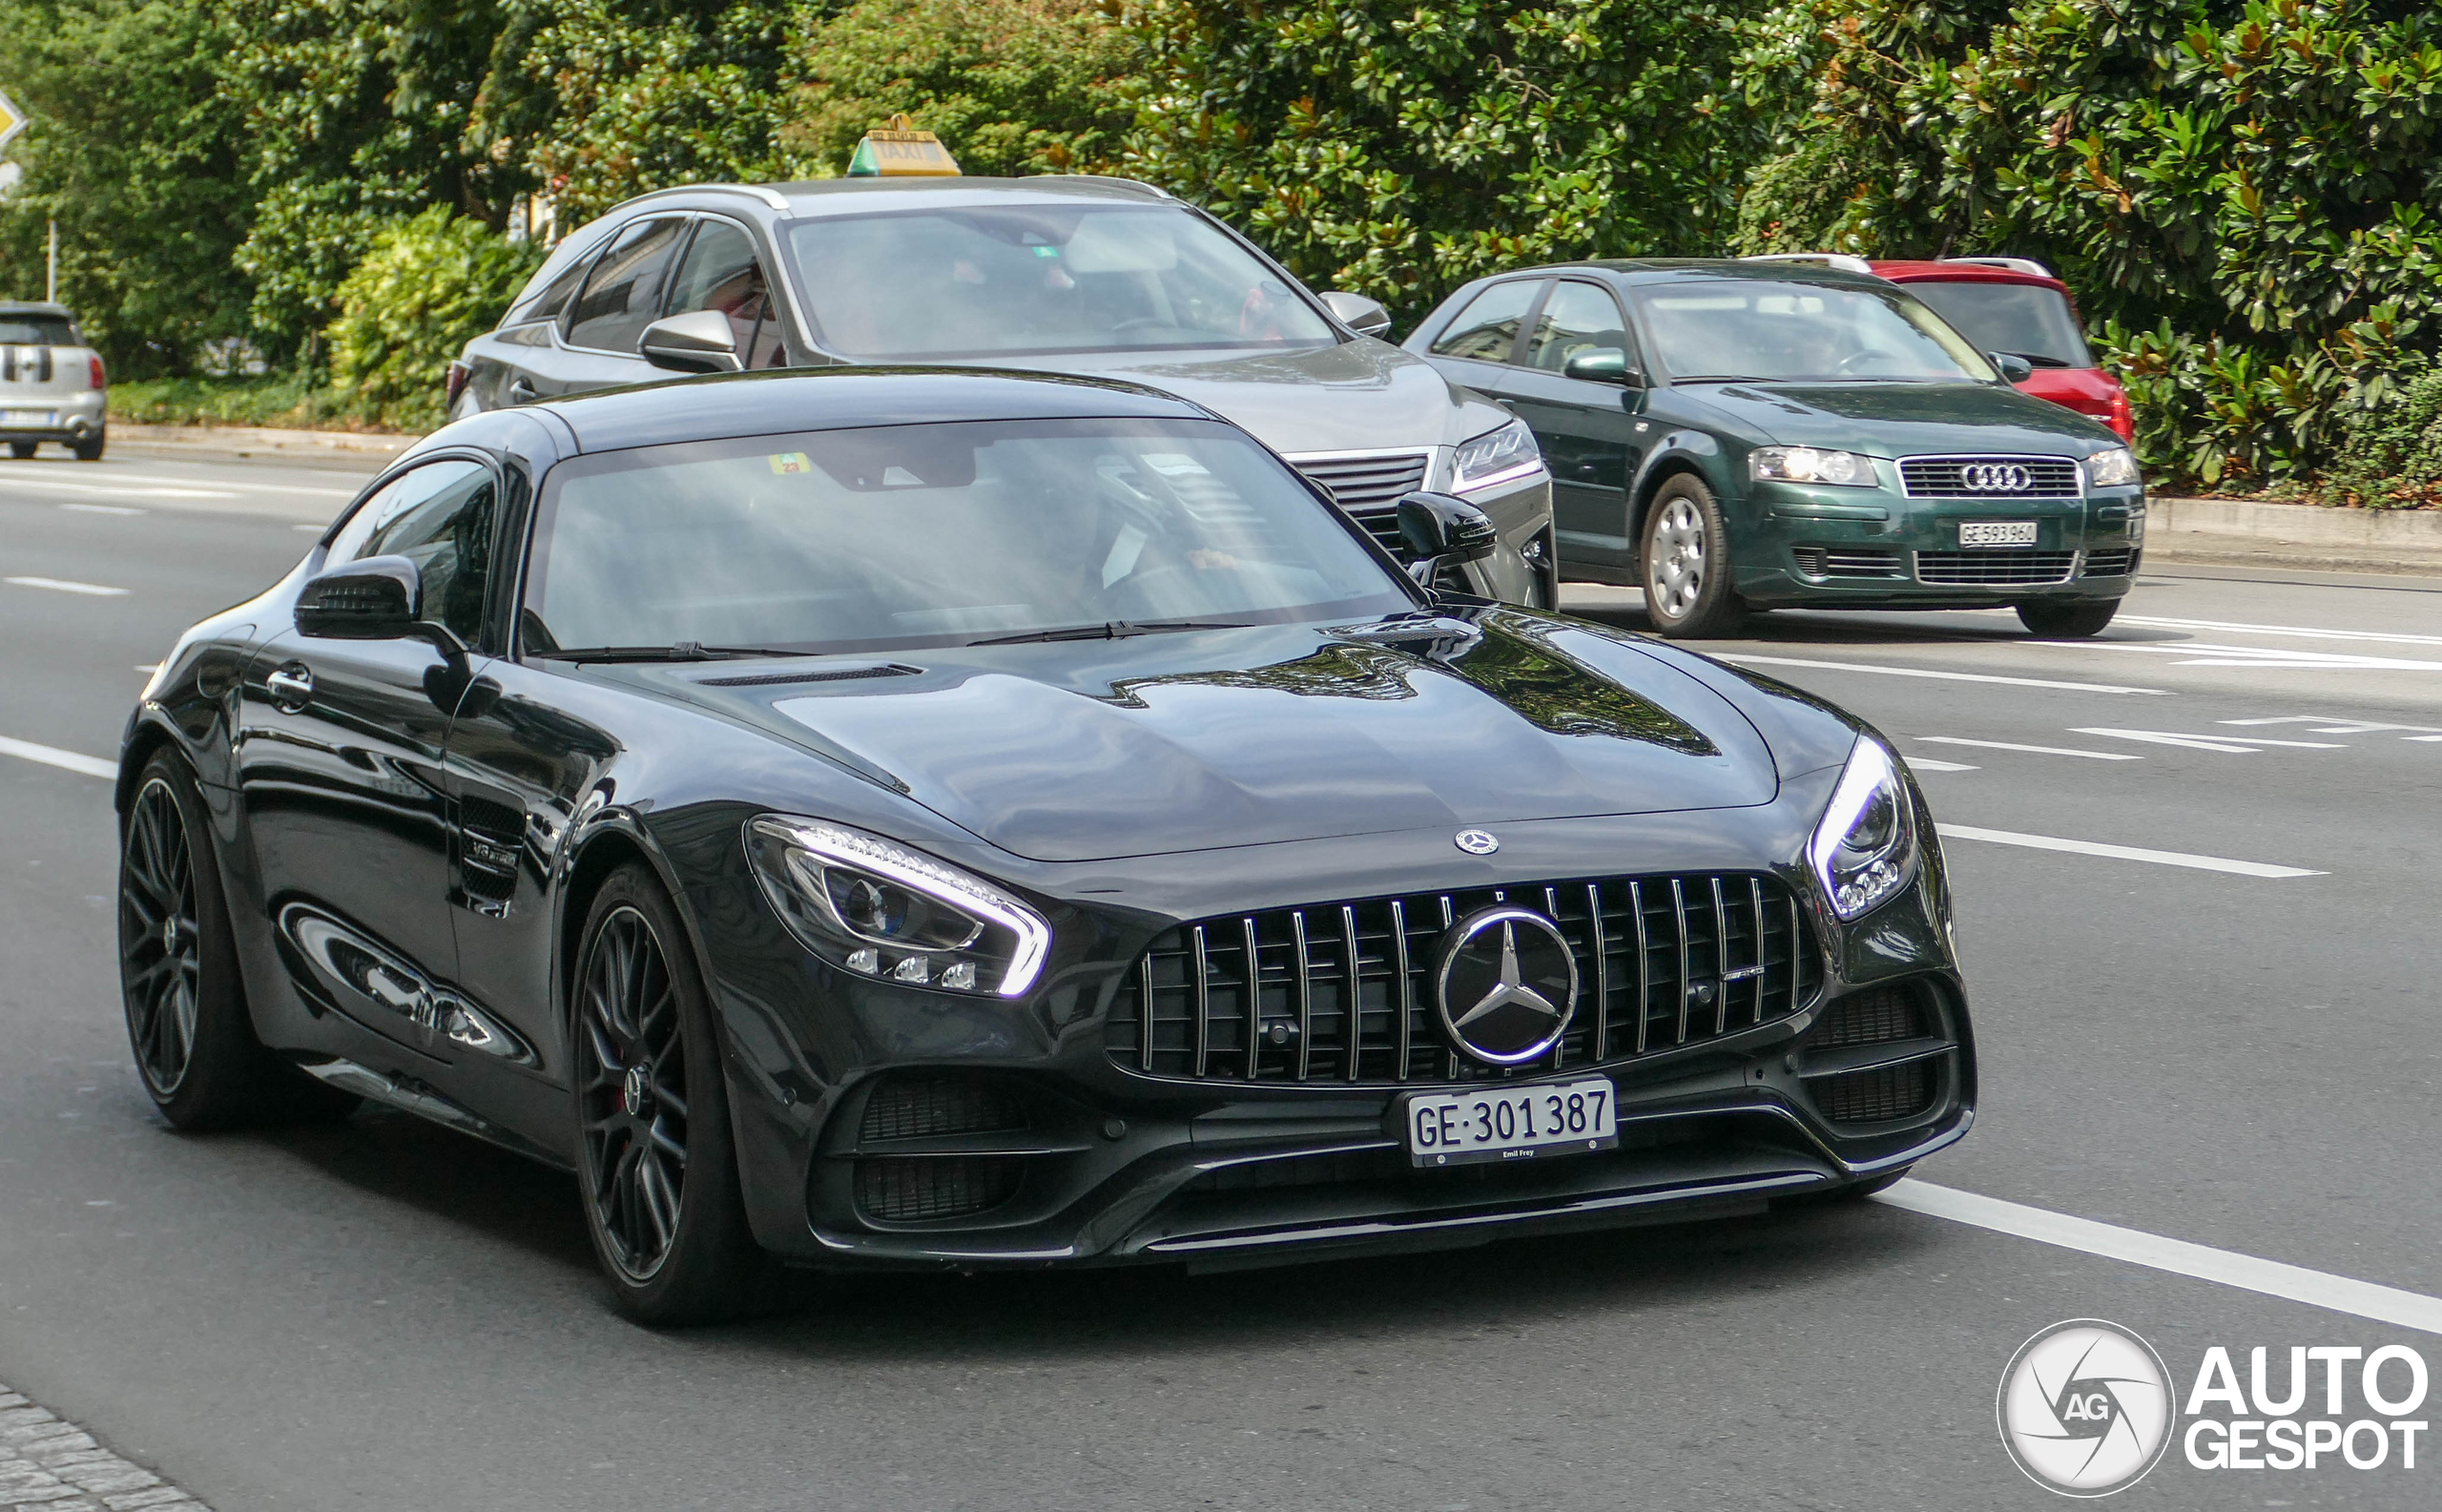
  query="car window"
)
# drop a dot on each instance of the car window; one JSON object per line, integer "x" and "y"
{"x": 625, "y": 289}
{"x": 1488, "y": 329}
{"x": 37, "y": 330}
{"x": 1008, "y": 280}
{"x": 722, "y": 273}
{"x": 1754, "y": 328}
{"x": 1577, "y": 320}
{"x": 547, "y": 301}
{"x": 929, "y": 534}
{"x": 2026, "y": 320}
{"x": 439, "y": 517}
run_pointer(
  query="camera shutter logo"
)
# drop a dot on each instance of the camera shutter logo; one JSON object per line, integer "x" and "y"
{"x": 2085, "y": 1408}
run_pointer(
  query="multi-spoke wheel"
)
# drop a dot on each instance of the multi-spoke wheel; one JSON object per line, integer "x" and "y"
{"x": 1686, "y": 561}
{"x": 186, "y": 1005}
{"x": 656, "y": 1162}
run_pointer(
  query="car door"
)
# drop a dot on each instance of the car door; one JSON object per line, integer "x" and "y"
{"x": 1592, "y": 431}
{"x": 622, "y": 295}
{"x": 722, "y": 272}
{"x": 339, "y": 767}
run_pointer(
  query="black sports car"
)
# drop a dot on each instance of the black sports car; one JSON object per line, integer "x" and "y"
{"x": 940, "y": 817}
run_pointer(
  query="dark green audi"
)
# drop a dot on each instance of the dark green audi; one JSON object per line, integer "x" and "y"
{"x": 1752, "y": 434}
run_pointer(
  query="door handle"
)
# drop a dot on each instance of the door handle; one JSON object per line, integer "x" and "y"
{"x": 521, "y": 391}
{"x": 290, "y": 687}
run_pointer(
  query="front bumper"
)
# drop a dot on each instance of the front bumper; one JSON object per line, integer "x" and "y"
{"x": 1860, "y": 547}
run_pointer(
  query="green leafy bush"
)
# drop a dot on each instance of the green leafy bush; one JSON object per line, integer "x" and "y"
{"x": 429, "y": 285}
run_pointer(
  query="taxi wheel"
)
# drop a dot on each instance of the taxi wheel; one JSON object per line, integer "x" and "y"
{"x": 2068, "y": 619}
{"x": 1685, "y": 562}
{"x": 656, "y": 1162}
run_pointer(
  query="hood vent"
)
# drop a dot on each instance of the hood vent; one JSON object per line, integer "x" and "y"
{"x": 888, "y": 669}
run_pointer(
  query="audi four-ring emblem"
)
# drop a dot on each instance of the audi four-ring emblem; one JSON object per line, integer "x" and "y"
{"x": 1996, "y": 477}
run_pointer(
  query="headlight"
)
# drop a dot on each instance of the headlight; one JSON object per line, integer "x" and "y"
{"x": 1509, "y": 452}
{"x": 878, "y": 908}
{"x": 2111, "y": 470}
{"x": 1865, "y": 848}
{"x": 1805, "y": 464}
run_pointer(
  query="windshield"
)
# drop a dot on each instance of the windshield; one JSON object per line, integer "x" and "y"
{"x": 1802, "y": 332}
{"x": 2025, "y": 319}
{"x": 1012, "y": 280}
{"x": 912, "y": 535}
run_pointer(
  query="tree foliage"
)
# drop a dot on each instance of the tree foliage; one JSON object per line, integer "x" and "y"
{"x": 429, "y": 285}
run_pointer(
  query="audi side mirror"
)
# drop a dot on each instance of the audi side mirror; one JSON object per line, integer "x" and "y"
{"x": 1604, "y": 365}
{"x": 1443, "y": 530}
{"x": 697, "y": 342}
{"x": 374, "y": 598}
{"x": 2015, "y": 369}
{"x": 1360, "y": 314}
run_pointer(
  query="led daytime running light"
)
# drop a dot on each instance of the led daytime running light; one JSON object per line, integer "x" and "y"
{"x": 1872, "y": 772}
{"x": 920, "y": 873}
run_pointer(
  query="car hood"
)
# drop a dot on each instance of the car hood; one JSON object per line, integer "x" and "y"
{"x": 1196, "y": 740}
{"x": 1902, "y": 419}
{"x": 1358, "y": 396}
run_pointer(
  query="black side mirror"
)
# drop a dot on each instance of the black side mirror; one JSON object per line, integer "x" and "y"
{"x": 374, "y": 598}
{"x": 697, "y": 342}
{"x": 1443, "y": 531}
{"x": 2015, "y": 369}
{"x": 1604, "y": 365}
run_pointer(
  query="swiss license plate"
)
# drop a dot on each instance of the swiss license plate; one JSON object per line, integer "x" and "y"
{"x": 1511, "y": 1123}
{"x": 1996, "y": 533}
{"x": 25, "y": 416}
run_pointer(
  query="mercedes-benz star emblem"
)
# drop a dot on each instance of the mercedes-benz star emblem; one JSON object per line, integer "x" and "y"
{"x": 1477, "y": 842}
{"x": 634, "y": 1090}
{"x": 1507, "y": 985}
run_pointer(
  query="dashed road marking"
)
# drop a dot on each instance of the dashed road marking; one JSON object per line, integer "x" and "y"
{"x": 63, "y": 486}
{"x": 247, "y": 485}
{"x": 2337, "y": 724}
{"x": 2302, "y": 631}
{"x": 2383, "y": 1304}
{"x": 2232, "y": 745}
{"x": 103, "y": 508}
{"x": 1744, "y": 658}
{"x": 2038, "y": 749}
{"x": 53, "y": 756}
{"x": 2202, "y": 653}
{"x": 2125, "y": 853}
{"x": 1929, "y": 764}
{"x": 61, "y": 585}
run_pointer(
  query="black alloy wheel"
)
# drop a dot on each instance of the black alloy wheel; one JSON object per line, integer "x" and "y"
{"x": 2068, "y": 619}
{"x": 657, "y": 1164}
{"x": 1684, "y": 562}
{"x": 187, "y": 1023}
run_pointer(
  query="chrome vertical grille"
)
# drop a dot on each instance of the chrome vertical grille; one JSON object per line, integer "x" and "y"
{"x": 1344, "y": 991}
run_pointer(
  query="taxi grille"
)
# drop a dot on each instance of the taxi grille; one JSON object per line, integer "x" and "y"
{"x": 1343, "y": 992}
{"x": 1995, "y": 569}
{"x": 1989, "y": 477}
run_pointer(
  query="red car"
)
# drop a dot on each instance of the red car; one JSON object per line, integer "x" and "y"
{"x": 2015, "y": 304}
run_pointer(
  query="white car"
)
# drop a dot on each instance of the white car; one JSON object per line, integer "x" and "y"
{"x": 51, "y": 385}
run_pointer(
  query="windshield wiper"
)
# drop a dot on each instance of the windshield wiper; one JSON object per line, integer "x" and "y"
{"x": 1725, "y": 378}
{"x": 684, "y": 651}
{"x": 1112, "y": 629}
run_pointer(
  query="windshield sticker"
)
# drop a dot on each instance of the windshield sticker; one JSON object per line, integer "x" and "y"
{"x": 785, "y": 462}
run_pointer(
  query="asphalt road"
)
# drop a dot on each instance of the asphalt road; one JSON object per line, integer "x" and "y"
{"x": 385, "y": 1315}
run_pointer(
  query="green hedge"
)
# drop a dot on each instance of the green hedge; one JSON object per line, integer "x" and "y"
{"x": 431, "y": 284}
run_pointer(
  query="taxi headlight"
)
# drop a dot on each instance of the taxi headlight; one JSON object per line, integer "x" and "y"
{"x": 2114, "y": 468}
{"x": 1864, "y": 849}
{"x": 1844, "y": 469}
{"x": 883, "y": 910}
{"x": 1505, "y": 453}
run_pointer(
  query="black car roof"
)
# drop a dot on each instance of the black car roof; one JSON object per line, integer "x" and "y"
{"x": 727, "y": 404}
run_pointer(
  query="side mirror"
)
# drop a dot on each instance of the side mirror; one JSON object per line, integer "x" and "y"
{"x": 2015, "y": 369}
{"x": 697, "y": 342}
{"x": 1442, "y": 530}
{"x": 1604, "y": 365}
{"x": 1360, "y": 314}
{"x": 375, "y": 598}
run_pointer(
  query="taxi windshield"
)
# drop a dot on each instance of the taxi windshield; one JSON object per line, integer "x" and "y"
{"x": 1019, "y": 279}
{"x": 936, "y": 534}
{"x": 1762, "y": 331}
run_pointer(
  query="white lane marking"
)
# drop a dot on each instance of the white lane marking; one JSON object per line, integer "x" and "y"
{"x": 248, "y": 484}
{"x": 104, "y": 508}
{"x": 1743, "y": 658}
{"x": 2295, "y": 1283}
{"x": 62, "y": 484}
{"x": 149, "y": 671}
{"x": 2336, "y": 724}
{"x": 2233, "y": 744}
{"x": 2038, "y": 749}
{"x": 2124, "y": 853}
{"x": 2302, "y": 631}
{"x": 1917, "y": 764}
{"x": 2202, "y": 653}
{"x": 61, "y": 585}
{"x": 53, "y": 756}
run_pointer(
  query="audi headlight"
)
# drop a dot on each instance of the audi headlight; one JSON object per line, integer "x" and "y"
{"x": 883, "y": 910}
{"x": 2112, "y": 469}
{"x": 1509, "y": 452}
{"x": 1844, "y": 469}
{"x": 1865, "y": 848}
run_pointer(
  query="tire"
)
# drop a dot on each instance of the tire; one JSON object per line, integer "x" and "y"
{"x": 1683, "y": 561}
{"x": 656, "y": 1164}
{"x": 2068, "y": 619}
{"x": 23, "y": 450}
{"x": 187, "y": 1023}
{"x": 90, "y": 451}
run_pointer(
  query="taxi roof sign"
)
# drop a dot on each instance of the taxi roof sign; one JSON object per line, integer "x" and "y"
{"x": 898, "y": 150}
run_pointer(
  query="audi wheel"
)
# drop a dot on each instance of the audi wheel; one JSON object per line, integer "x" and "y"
{"x": 1686, "y": 558}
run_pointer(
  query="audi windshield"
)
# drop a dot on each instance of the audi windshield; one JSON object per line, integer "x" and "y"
{"x": 1746, "y": 329}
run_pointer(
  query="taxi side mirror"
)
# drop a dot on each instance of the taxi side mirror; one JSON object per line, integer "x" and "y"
{"x": 697, "y": 342}
{"x": 1442, "y": 530}
{"x": 2015, "y": 369}
{"x": 1360, "y": 314}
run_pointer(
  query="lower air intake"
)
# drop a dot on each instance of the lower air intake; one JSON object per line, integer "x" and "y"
{"x": 929, "y": 1108}
{"x": 1879, "y": 1096}
{"x": 911, "y": 1190}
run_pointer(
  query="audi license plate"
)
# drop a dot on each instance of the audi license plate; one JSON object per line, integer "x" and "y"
{"x": 25, "y": 416}
{"x": 1996, "y": 533}
{"x": 1511, "y": 1123}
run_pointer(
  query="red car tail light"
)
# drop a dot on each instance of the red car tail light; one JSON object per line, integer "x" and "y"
{"x": 2122, "y": 417}
{"x": 99, "y": 379}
